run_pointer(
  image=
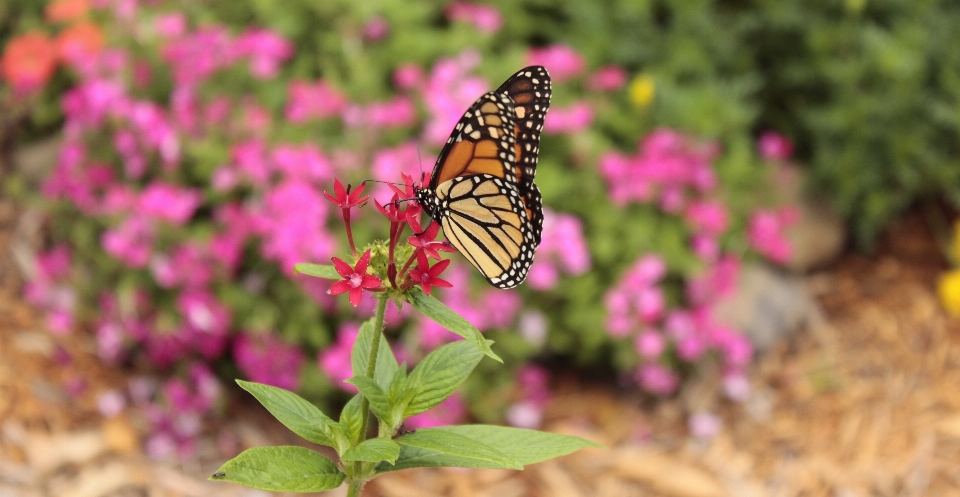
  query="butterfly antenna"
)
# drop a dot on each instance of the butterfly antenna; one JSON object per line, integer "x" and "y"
{"x": 420, "y": 163}
{"x": 384, "y": 182}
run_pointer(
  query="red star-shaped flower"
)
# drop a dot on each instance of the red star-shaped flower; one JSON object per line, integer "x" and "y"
{"x": 427, "y": 276}
{"x": 355, "y": 279}
{"x": 344, "y": 198}
{"x": 425, "y": 240}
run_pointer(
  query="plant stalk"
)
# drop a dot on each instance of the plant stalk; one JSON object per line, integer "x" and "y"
{"x": 354, "y": 487}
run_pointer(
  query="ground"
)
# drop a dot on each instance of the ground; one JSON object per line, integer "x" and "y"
{"x": 862, "y": 402}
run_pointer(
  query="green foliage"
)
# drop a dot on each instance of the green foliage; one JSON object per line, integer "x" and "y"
{"x": 281, "y": 469}
{"x": 296, "y": 469}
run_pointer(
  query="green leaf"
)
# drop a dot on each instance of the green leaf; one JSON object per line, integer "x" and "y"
{"x": 351, "y": 421}
{"x": 295, "y": 412}
{"x": 444, "y": 316}
{"x": 360, "y": 357}
{"x": 281, "y": 469}
{"x": 318, "y": 270}
{"x": 379, "y": 402}
{"x": 523, "y": 446}
{"x": 439, "y": 374}
{"x": 374, "y": 450}
{"x": 429, "y": 447}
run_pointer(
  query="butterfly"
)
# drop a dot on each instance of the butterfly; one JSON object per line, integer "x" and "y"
{"x": 481, "y": 190}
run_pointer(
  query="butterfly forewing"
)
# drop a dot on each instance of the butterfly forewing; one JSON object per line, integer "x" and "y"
{"x": 530, "y": 90}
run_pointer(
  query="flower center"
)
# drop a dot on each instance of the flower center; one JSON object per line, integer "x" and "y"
{"x": 356, "y": 280}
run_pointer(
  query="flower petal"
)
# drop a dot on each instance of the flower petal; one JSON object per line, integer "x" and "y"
{"x": 441, "y": 283}
{"x": 439, "y": 268}
{"x": 355, "y": 295}
{"x": 340, "y": 287}
{"x": 363, "y": 263}
{"x": 342, "y": 267}
{"x": 370, "y": 281}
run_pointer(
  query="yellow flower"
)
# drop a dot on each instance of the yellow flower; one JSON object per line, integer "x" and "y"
{"x": 949, "y": 290}
{"x": 641, "y": 90}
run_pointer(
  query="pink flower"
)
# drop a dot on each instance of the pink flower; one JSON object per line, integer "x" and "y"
{"x": 428, "y": 276}
{"x": 572, "y": 119}
{"x": 307, "y": 101}
{"x": 766, "y": 234}
{"x": 408, "y": 76}
{"x": 265, "y": 359}
{"x": 450, "y": 90}
{"x": 196, "y": 56}
{"x": 562, "y": 61}
{"x": 168, "y": 202}
{"x": 396, "y": 113}
{"x": 707, "y": 217}
{"x": 305, "y": 162}
{"x": 563, "y": 246}
{"x": 376, "y": 29}
{"x": 131, "y": 242}
{"x": 292, "y": 222}
{"x": 774, "y": 147}
{"x": 250, "y": 159}
{"x": 607, "y": 78}
{"x": 207, "y": 321}
{"x": 170, "y": 25}
{"x": 704, "y": 425}
{"x": 657, "y": 379}
{"x": 335, "y": 360}
{"x": 501, "y": 307}
{"x": 265, "y": 49}
{"x": 650, "y": 344}
{"x": 448, "y": 412}
{"x": 486, "y": 18}
{"x": 355, "y": 279}
{"x": 425, "y": 240}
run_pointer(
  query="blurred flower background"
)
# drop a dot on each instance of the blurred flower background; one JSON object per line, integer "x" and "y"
{"x": 195, "y": 141}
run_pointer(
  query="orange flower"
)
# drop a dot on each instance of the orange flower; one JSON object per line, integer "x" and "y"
{"x": 66, "y": 10}
{"x": 82, "y": 39}
{"x": 28, "y": 61}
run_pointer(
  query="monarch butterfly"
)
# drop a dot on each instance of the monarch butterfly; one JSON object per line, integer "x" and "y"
{"x": 481, "y": 190}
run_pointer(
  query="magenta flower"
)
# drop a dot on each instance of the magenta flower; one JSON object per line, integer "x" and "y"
{"x": 317, "y": 100}
{"x": 766, "y": 234}
{"x": 335, "y": 360}
{"x": 265, "y": 49}
{"x": 562, "y": 61}
{"x": 408, "y": 76}
{"x": 607, "y": 78}
{"x": 428, "y": 276}
{"x": 263, "y": 358}
{"x": 774, "y": 146}
{"x": 486, "y": 18}
{"x": 572, "y": 119}
{"x": 657, "y": 379}
{"x": 355, "y": 279}
{"x": 376, "y": 29}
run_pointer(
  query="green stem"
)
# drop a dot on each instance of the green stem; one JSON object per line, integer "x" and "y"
{"x": 354, "y": 487}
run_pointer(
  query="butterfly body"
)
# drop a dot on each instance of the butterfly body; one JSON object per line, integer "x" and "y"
{"x": 482, "y": 191}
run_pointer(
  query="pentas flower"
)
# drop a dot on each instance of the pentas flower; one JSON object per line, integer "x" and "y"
{"x": 562, "y": 61}
{"x": 774, "y": 146}
{"x": 485, "y": 18}
{"x": 170, "y": 25}
{"x": 346, "y": 200}
{"x": 28, "y": 62}
{"x": 266, "y": 50}
{"x": 428, "y": 276}
{"x": 307, "y": 101}
{"x": 766, "y": 233}
{"x": 168, "y": 202}
{"x": 408, "y": 76}
{"x": 263, "y": 358}
{"x": 425, "y": 240}
{"x": 336, "y": 360}
{"x": 355, "y": 279}
{"x": 305, "y": 161}
{"x": 196, "y": 56}
{"x": 398, "y": 112}
{"x": 572, "y": 119}
{"x": 448, "y": 90}
{"x": 292, "y": 222}
{"x": 563, "y": 247}
{"x": 607, "y": 78}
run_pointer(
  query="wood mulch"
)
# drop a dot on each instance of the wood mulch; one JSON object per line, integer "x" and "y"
{"x": 865, "y": 402}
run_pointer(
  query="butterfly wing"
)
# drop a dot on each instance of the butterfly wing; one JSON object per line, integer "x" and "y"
{"x": 530, "y": 90}
{"x": 473, "y": 193}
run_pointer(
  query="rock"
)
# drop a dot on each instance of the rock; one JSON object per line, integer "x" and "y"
{"x": 820, "y": 236}
{"x": 768, "y": 305}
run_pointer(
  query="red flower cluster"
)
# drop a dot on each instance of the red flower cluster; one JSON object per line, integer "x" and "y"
{"x": 402, "y": 210}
